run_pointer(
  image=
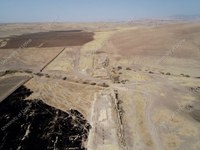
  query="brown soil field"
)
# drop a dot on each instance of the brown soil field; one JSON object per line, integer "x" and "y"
{"x": 172, "y": 48}
{"x": 50, "y": 39}
{"x": 155, "y": 41}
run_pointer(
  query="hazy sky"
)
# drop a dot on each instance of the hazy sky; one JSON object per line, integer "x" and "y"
{"x": 93, "y": 10}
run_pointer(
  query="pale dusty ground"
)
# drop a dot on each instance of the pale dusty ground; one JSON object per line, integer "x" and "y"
{"x": 155, "y": 70}
{"x": 27, "y": 58}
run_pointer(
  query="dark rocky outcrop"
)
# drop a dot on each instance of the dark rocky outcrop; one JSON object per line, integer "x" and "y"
{"x": 34, "y": 125}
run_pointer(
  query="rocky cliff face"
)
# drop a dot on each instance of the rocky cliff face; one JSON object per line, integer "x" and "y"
{"x": 32, "y": 124}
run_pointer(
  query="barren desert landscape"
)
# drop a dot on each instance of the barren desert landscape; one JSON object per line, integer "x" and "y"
{"x": 100, "y": 86}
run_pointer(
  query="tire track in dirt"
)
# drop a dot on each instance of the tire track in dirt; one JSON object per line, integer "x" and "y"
{"x": 76, "y": 61}
{"x": 52, "y": 60}
{"x": 146, "y": 97}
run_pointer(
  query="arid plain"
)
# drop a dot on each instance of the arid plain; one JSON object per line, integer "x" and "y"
{"x": 136, "y": 83}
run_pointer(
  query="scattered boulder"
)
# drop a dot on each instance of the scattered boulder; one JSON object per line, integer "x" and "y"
{"x": 128, "y": 68}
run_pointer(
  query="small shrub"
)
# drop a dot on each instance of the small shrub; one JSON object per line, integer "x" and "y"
{"x": 105, "y": 85}
{"x": 187, "y": 76}
{"x": 93, "y": 83}
{"x": 28, "y": 71}
{"x": 123, "y": 81}
{"x": 39, "y": 74}
{"x": 151, "y": 72}
{"x": 119, "y": 67}
{"x": 47, "y": 76}
{"x": 65, "y": 78}
{"x": 10, "y": 71}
